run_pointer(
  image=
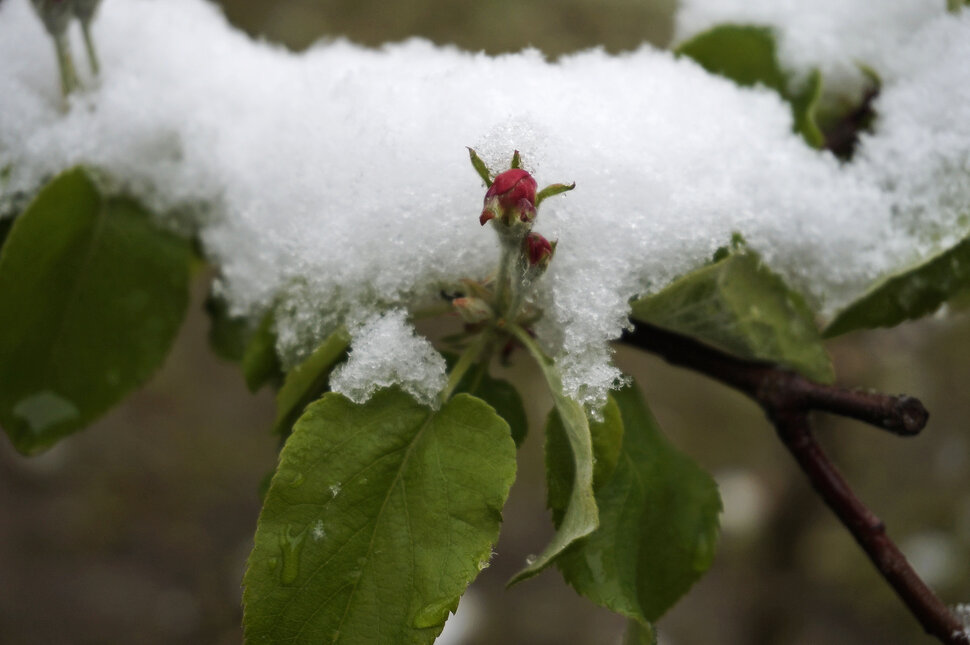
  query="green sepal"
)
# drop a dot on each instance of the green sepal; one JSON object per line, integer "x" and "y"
{"x": 516, "y": 160}
{"x": 480, "y": 167}
{"x": 551, "y": 190}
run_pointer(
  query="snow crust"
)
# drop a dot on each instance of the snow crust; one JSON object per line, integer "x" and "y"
{"x": 334, "y": 185}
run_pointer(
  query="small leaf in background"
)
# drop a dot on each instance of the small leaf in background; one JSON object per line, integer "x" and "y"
{"x": 308, "y": 381}
{"x": 92, "y": 295}
{"x": 658, "y": 524}
{"x": 748, "y": 56}
{"x": 260, "y": 363}
{"x": 738, "y": 305}
{"x": 227, "y": 335}
{"x": 579, "y": 516}
{"x": 909, "y": 294}
{"x": 377, "y": 519}
{"x": 607, "y": 437}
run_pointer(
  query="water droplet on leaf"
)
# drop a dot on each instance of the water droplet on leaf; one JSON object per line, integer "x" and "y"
{"x": 44, "y": 410}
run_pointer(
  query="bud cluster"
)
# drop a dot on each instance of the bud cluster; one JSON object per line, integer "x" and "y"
{"x": 511, "y": 204}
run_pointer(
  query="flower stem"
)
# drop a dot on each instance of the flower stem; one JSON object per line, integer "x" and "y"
{"x": 89, "y": 46}
{"x": 66, "y": 66}
{"x": 468, "y": 358}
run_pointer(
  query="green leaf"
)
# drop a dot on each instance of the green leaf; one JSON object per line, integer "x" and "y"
{"x": 805, "y": 107}
{"x": 908, "y": 295}
{"x": 736, "y": 304}
{"x": 228, "y": 335}
{"x": 607, "y": 437}
{"x": 91, "y": 297}
{"x": 260, "y": 363}
{"x": 745, "y": 54}
{"x": 306, "y": 382}
{"x": 501, "y": 395}
{"x": 378, "y": 517}
{"x": 580, "y": 517}
{"x": 748, "y": 56}
{"x": 658, "y": 524}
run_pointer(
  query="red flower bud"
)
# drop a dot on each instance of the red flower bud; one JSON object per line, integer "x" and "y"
{"x": 512, "y": 195}
{"x": 539, "y": 250}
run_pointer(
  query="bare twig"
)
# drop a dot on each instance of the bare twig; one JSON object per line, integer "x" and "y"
{"x": 787, "y": 399}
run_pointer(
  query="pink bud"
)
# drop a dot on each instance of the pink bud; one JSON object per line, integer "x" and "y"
{"x": 539, "y": 250}
{"x": 512, "y": 186}
{"x": 511, "y": 196}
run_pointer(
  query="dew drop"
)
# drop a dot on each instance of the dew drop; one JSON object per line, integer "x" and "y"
{"x": 334, "y": 490}
{"x": 291, "y": 544}
{"x": 530, "y": 559}
{"x": 297, "y": 480}
{"x": 44, "y": 410}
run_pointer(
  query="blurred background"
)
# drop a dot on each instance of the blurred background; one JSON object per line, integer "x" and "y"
{"x": 137, "y": 530}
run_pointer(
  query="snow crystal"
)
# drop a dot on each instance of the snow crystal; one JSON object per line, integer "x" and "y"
{"x": 386, "y": 352}
{"x": 334, "y": 185}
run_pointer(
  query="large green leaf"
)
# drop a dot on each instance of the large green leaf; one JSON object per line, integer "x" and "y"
{"x": 748, "y": 56}
{"x": 378, "y": 517}
{"x": 738, "y": 305}
{"x": 908, "y": 295}
{"x": 306, "y": 382}
{"x": 579, "y": 518}
{"x": 91, "y": 297}
{"x": 658, "y": 524}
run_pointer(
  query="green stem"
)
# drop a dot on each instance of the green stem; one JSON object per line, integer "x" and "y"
{"x": 66, "y": 66}
{"x": 502, "y": 281}
{"x": 468, "y": 358}
{"x": 89, "y": 45}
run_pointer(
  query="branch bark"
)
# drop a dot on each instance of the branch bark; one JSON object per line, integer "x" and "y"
{"x": 788, "y": 399}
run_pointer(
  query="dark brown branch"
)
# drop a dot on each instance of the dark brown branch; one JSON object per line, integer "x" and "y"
{"x": 787, "y": 399}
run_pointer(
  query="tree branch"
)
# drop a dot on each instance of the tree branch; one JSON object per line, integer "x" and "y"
{"x": 788, "y": 399}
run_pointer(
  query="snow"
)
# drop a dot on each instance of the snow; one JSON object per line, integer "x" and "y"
{"x": 834, "y": 36}
{"x": 334, "y": 186}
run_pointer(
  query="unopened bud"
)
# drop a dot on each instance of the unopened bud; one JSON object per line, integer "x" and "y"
{"x": 473, "y": 310}
{"x": 511, "y": 198}
{"x": 538, "y": 251}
